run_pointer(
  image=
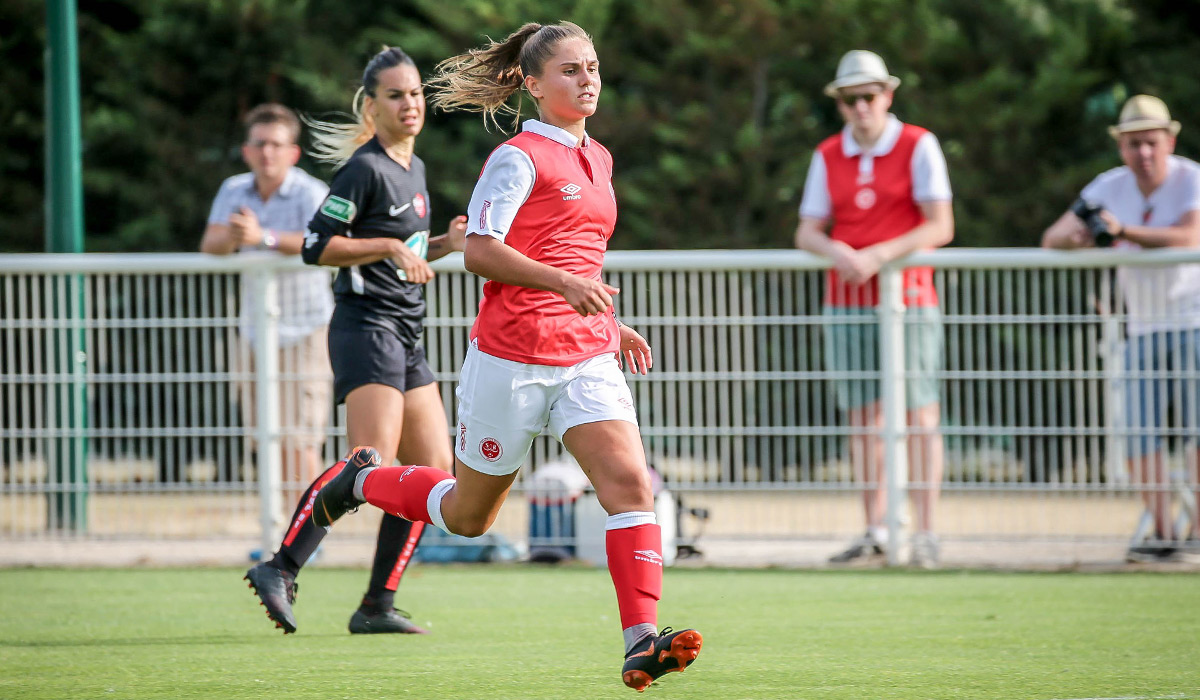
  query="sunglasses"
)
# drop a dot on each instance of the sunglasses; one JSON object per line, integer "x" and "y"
{"x": 852, "y": 100}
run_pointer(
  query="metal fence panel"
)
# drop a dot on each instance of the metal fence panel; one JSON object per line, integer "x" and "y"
{"x": 121, "y": 411}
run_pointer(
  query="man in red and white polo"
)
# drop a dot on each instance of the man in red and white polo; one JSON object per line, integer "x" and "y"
{"x": 875, "y": 192}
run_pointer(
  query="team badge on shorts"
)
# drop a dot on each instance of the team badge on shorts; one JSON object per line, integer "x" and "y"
{"x": 419, "y": 205}
{"x": 490, "y": 449}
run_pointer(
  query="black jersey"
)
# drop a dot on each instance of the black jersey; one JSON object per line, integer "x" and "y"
{"x": 373, "y": 196}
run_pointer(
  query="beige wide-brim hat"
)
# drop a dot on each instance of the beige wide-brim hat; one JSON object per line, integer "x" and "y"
{"x": 1143, "y": 113}
{"x": 860, "y": 67}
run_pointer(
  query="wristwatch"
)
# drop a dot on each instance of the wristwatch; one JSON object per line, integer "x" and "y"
{"x": 269, "y": 240}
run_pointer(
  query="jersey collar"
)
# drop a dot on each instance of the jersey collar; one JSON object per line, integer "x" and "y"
{"x": 885, "y": 144}
{"x": 285, "y": 189}
{"x": 553, "y": 133}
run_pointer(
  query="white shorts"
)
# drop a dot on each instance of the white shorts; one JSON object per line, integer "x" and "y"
{"x": 503, "y": 405}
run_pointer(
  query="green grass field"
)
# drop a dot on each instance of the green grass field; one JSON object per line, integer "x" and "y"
{"x": 520, "y": 632}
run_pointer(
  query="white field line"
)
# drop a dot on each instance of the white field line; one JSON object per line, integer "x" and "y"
{"x": 1137, "y": 697}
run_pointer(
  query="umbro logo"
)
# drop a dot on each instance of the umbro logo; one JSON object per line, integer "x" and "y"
{"x": 648, "y": 555}
{"x": 397, "y": 211}
{"x": 571, "y": 191}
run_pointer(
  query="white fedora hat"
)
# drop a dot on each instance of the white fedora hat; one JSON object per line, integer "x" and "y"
{"x": 1143, "y": 113}
{"x": 860, "y": 67}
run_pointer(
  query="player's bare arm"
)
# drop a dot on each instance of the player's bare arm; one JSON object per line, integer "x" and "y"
{"x": 346, "y": 252}
{"x": 495, "y": 260}
{"x": 453, "y": 239}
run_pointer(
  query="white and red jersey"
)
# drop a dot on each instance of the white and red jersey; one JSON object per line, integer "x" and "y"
{"x": 873, "y": 196}
{"x": 550, "y": 197}
{"x": 1157, "y": 298}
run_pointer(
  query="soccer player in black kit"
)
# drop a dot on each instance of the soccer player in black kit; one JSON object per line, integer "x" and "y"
{"x": 374, "y": 225}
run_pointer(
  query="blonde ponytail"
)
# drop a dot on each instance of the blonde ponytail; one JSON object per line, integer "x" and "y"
{"x": 335, "y": 142}
{"x": 483, "y": 79}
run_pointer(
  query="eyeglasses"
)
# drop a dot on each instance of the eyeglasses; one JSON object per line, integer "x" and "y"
{"x": 260, "y": 144}
{"x": 852, "y": 100}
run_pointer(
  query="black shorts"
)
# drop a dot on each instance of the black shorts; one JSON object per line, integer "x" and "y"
{"x": 373, "y": 356}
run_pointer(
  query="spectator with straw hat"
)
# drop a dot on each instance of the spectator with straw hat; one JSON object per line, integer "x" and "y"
{"x": 875, "y": 192}
{"x": 1152, "y": 201}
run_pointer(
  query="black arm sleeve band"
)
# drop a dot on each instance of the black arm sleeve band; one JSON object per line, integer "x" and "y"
{"x": 314, "y": 245}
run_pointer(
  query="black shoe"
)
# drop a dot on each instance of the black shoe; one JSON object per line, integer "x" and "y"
{"x": 864, "y": 547}
{"x": 1152, "y": 553}
{"x": 276, "y": 591}
{"x": 387, "y": 622}
{"x": 336, "y": 498}
{"x": 659, "y": 654}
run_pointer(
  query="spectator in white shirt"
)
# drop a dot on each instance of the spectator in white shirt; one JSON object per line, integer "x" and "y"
{"x": 1152, "y": 201}
{"x": 269, "y": 208}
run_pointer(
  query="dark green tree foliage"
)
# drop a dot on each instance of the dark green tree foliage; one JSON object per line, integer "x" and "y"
{"x": 711, "y": 107}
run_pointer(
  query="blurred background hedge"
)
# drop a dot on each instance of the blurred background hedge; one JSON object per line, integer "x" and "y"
{"x": 710, "y": 108}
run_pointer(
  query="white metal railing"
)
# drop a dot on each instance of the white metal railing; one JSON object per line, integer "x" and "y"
{"x": 117, "y": 421}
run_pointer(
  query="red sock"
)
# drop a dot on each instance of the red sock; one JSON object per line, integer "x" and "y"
{"x": 636, "y": 565}
{"x": 403, "y": 491}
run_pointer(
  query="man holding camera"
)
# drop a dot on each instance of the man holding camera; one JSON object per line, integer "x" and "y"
{"x": 1153, "y": 201}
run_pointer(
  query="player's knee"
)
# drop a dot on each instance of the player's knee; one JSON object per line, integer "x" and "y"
{"x": 441, "y": 461}
{"x": 469, "y": 526}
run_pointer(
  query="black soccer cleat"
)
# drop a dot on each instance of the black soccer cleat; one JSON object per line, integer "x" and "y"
{"x": 865, "y": 548}
{"x": 388, "y": 622}
{"x": 1147, "y": 553}
{"x": 276, "y": 591}
{"x": 659, "y": 654}
{"x": 336, "y": 498}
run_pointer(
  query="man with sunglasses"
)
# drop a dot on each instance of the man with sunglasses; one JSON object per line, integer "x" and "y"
{"x": 875, "y": 192}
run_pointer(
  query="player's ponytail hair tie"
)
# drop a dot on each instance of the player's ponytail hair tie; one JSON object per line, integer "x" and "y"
{"x": 484, "y": 79}
{"x": 335, "y": 142}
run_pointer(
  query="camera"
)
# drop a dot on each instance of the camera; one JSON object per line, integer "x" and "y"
{"x": 1089, "y": 214}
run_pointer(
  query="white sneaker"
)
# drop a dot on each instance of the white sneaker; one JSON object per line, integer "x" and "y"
{"x": 926, "y": 552}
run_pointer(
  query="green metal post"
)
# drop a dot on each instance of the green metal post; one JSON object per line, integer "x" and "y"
{"x": 64, "y": 234}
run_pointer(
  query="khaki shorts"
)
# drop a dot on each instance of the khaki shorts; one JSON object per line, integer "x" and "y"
{"x": 305, "y": 390}
{"x": 852, "y": 353}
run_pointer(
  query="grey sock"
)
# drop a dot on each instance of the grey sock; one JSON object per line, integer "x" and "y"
{"x": 636, "y": 633}
{"x": 358, "y": 483}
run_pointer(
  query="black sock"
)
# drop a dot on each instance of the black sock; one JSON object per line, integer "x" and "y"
{"x": 303, "y": 537}
{"x": 396, "y": 543}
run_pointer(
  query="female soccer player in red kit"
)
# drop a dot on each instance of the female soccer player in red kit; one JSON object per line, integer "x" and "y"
{"x": 546, "y": 348}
